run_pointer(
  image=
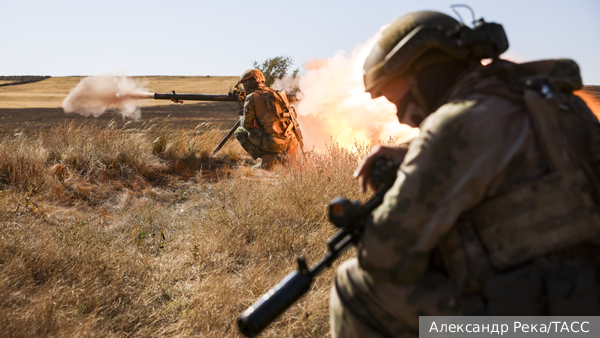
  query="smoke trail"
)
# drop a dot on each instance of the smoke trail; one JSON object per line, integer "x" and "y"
{"x": 95, "y": 95}
{"x": 333, "y": 103}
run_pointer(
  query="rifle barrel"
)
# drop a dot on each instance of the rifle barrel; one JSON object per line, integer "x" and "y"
{"x": 272, "y": 304}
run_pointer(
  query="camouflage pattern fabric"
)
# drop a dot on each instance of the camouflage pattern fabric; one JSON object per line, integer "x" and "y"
{"x": 475, "y": 147}
{"x": 258, "y": 143}
{"x": 260, "y": 114}
{"x": 373, "y": 309}
{"x": 252, "y": 135}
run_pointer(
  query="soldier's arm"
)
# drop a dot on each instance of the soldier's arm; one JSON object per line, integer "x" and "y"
{"x": 249, "y": 113}
{"x": 462, "y": 151}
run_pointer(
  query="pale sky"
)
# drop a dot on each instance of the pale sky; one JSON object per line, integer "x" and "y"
{"x": 62, "y": 37}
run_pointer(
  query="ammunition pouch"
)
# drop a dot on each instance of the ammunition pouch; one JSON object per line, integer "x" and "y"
{"x": 557, "y": 211}
{"x": 537, "y": 218}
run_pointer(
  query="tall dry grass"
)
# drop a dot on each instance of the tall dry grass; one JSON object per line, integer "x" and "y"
{"x": 158, "y": 249}
{"x": 70, "y": 162}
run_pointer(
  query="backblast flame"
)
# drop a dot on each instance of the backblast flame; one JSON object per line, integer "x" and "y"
{"x": 333, "y": 104}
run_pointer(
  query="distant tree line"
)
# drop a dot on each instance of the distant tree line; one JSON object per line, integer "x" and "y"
{"x": 275, "y": 68}
{"x": 21, "y": 79}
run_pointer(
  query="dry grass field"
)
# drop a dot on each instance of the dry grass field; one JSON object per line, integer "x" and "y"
{"x": 37, "y": 105}
{"x": 49, "y": 93}
{"x": 112, "y": 228}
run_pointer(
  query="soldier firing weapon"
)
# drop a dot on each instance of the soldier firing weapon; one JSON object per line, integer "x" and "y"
{"x": 233, "y": 96}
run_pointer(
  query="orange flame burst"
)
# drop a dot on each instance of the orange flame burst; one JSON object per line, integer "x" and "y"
{"x": 333, "y": 104}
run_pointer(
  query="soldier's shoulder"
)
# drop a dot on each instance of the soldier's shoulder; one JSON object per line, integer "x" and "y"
{"x": 450, "y": 113}
{"x": 472, "y": 116}
{"x": 478, "y": 105}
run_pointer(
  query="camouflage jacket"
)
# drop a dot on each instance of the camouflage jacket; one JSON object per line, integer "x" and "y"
{"x": 252, "y": 104}
{"x": 475, "y": 147}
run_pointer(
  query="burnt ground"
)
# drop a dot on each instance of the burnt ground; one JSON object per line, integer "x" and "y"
{"x": 187, "y": 115}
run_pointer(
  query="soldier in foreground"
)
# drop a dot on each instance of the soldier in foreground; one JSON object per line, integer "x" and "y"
{"x": 269, "y": 129}
{"x": 495, "y": 207}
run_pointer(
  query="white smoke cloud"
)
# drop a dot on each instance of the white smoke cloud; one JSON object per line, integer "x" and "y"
{"x": 333, "y": 103}
{"x": 95, "y": 95}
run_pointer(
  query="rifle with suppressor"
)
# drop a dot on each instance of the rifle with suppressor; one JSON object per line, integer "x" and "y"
{"x": 350, "y": 217}
{"x": 233, "y": 96}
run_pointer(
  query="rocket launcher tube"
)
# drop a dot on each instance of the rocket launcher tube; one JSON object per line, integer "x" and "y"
{"x": 231, "y": 97}
{"x": 235, "y": 96}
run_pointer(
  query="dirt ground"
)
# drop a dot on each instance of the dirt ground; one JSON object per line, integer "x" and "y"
{"x": 188, "y": 116}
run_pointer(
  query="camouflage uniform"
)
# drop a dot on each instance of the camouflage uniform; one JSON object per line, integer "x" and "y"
{"x": 478, "y": 146}
{"x": 259, "y": 134}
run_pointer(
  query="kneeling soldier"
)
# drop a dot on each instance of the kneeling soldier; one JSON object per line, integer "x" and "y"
{"x": 269, "y": 127}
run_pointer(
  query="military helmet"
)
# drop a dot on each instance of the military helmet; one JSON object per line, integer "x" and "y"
{"x": 417, "y": 40}
{"x": 252, "y": 73}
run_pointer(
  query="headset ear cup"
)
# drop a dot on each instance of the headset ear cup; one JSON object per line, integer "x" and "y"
{"x": 484, "y": 41}
{"x": 498, "y": 38}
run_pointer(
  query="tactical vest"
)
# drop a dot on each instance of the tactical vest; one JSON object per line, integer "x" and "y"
{"x": 554, "y": 212}
{"x": 276, "y": 117}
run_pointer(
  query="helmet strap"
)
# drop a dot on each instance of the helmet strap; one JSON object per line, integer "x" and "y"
{"x": 413, "y": 86}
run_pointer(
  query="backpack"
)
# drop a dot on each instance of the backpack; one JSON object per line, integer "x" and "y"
{"x": 557, "y": 211}
{"x": 280, "y": 117}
